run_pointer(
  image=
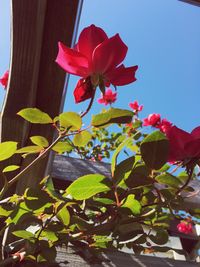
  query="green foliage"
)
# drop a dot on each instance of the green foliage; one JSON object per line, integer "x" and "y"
{"x": 88, "y": 185}
{"x": 70, "y": 120}
{"x": 82, "y": 138}
{"x": 132, "y": 208}
{"x": 39, "y": 141}
{"x": 34, "y": 115}
{"x": 11, "y": 168}
{"x": 169, "y": 179}
{"x": 132, "y": 204}
{"x": 62, "y": 147}
{"x": 113, "y": 115}
{"x": 154, "y": 149}
{"x": 7, "y": 149}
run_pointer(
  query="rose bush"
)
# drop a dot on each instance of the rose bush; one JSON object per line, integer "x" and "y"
{"x": 133, "y": 207}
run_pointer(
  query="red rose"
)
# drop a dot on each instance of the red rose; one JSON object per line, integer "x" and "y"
{"x": 183, "y": 145}
{"x": 98, "y": 57}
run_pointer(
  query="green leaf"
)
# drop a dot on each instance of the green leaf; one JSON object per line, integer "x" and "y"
{"x": 7, "y": 149}
{"x": 18, "y": 213}
{"x": 39, "y": 141}
{"x": 11, "y": 168}
{"x": 82, "y": 138}
{"x": 127, "y": 142}
{"x": 62, "y": 147}
{"x": 123, "y": 169}
{"x": 132, "y": 204}
{"x": 64, "y": 216}
{"x": 23, "y": 234}
{"x": 87, "y": 186}
{"x": 29, "y": 150}
{"x": 154, "y": 150}
{"x": 139, "y": 176}
{"x": 4, "y": 212}
{"x": 50, "y": 235}
{"x": 105, "y": 201}
{"x": 160, "y": 238}
{"x": 113, "y": 115}
{"x": 70, "y": 119}
{"x": 34, "y": 115}
{"x": 168, "y": 179}
{"x": 128, "y": 231}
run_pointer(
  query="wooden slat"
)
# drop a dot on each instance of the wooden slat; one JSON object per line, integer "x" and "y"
{"x": 35, "y": 78}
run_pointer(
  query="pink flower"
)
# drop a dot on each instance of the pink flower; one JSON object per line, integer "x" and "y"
{"x": 183, "y": 145}
{"x": 4, "y": 79}
{"x": 97, "y": 58}
{"x": 108, "y": 98}
{"x": 184, "y": 227}
{"x": 152, "y": 120}
{"x": 135, "y": 106}
{"x": 165, "y": 126}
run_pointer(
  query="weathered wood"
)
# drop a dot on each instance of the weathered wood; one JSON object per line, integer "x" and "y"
{"x": 35, "y": 79}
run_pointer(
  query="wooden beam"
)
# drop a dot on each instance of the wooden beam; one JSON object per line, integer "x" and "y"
{"x": 192, "y": 2}
{"x": 35, "y": 79}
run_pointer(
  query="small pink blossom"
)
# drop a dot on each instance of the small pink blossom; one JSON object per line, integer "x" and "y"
{"x": 152, "y": 120}
{"x": 165, "y": 126}
{"x": 184, "y": 227}
{"x": 4, "y": 79}
{"x": 108, "y": 98}
{"x": 135, "y": 106}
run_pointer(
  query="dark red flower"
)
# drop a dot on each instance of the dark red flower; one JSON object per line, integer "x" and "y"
{"x": 152, "y": 120}
{"x": 98, "y": 58}
{"x": 4, "y": 79}
{"x": 183, "y": 145}
{"x": 108, "y": 98}
{"x": 184, "y": 227}
{"x": 135, "y": 106}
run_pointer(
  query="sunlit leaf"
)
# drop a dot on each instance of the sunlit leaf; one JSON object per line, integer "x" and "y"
{"x": 132, "y": 204}
{"x": 7, "y": 149}
{"x": 62, "y": 146}
{"x": 87, "y": 186}
{"x": 34, "y": 115}
{"x": 39, "y": 141}
{"x": 82, "y": 138}
{"x": 113, "y": 115}
{"x": 70, "y": 119}
{"x": 11, "y": 168}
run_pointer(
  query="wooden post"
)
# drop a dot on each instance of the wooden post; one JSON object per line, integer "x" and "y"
{"x": 35, "y": 79}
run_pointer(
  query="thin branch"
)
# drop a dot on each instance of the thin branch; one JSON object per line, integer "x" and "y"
{"x": 186, "y": 183}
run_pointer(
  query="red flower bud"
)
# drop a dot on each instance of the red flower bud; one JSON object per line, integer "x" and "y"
{"x": 84, "y": 90}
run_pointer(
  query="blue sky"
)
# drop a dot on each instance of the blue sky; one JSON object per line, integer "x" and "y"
{"x": 163, "y": 38}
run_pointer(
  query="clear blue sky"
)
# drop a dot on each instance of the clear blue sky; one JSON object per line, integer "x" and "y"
{"x": 163, "y": 39}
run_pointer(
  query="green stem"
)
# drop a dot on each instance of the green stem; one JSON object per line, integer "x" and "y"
{"x": 89, "y": 106}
